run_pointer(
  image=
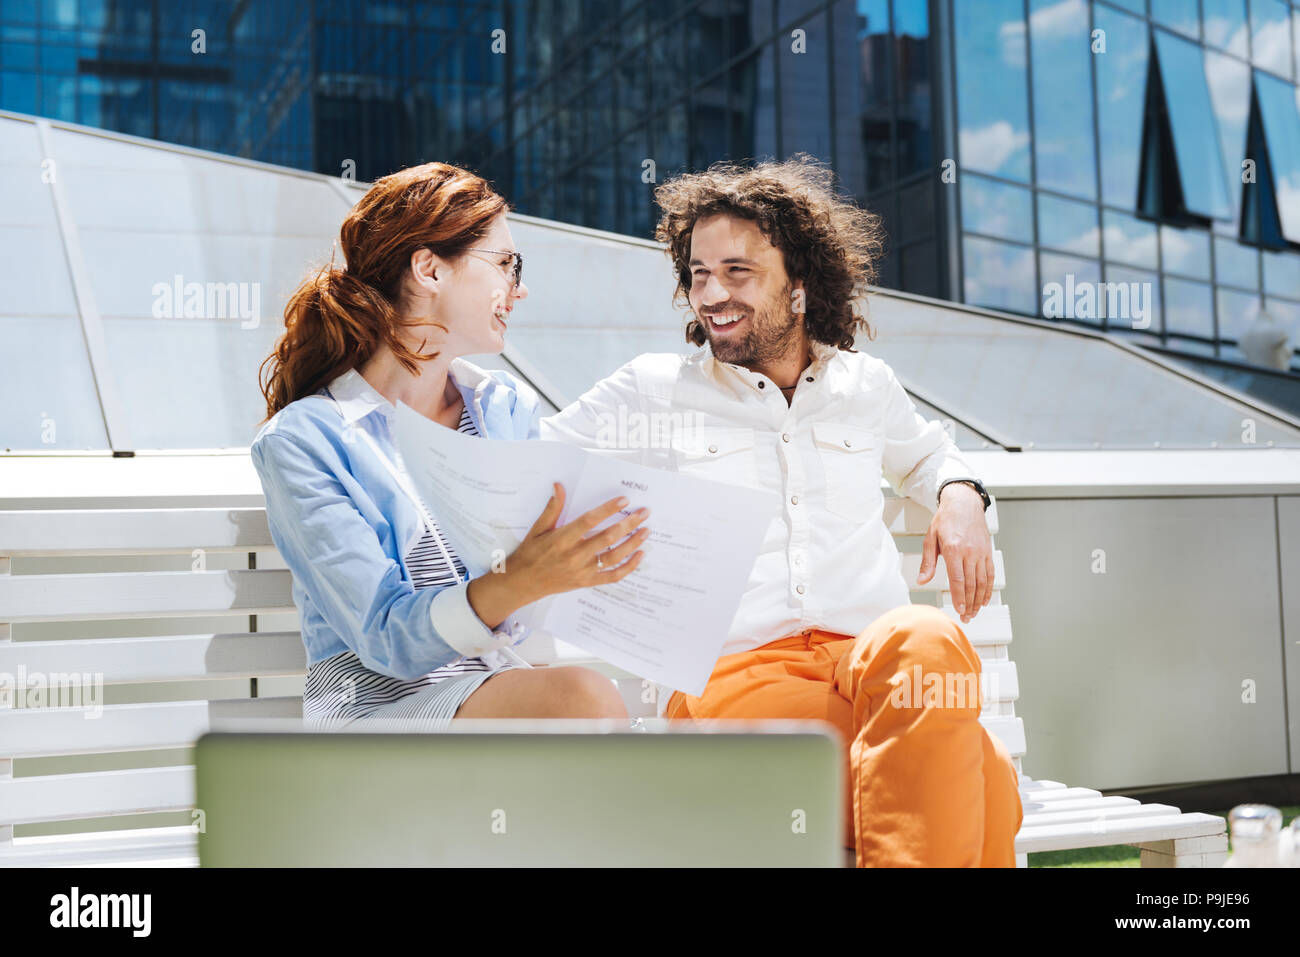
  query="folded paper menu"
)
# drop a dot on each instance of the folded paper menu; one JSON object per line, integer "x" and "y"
{"x": 667, "y": 620}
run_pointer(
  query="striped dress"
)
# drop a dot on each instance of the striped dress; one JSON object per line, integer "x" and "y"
{"x": 341, "y": 689}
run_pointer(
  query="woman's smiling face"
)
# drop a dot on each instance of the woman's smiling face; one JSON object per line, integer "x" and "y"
{"x": 471, "y": 296}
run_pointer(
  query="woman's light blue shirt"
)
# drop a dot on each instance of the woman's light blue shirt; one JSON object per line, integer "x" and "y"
{"x": 344, "y": 526}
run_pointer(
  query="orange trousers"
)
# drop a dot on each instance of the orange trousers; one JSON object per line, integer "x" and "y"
{"x": 927, "y": 785}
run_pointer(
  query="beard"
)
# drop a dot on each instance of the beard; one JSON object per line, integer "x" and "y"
{"x": 770, "y": 331}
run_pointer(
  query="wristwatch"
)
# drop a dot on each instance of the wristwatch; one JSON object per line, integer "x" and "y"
{"x": 976, "y": 484}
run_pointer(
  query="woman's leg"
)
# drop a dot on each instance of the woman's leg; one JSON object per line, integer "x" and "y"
{"x": 569, "y": 691}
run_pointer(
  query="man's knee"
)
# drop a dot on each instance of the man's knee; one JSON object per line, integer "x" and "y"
{"x": 921, "y": 637}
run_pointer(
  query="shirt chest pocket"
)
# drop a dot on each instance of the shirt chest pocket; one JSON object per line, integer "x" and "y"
{"x": 717, "y": 454}
{"x": 850, "y": 459}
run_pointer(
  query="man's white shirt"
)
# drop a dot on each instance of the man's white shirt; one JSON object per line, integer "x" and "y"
{"x": 827, "y": 560}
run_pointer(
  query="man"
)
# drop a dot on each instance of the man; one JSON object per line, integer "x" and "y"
{"x": 771, "y": 262}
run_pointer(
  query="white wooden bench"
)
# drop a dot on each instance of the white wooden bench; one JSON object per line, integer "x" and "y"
{"x": 1056, "y": 816}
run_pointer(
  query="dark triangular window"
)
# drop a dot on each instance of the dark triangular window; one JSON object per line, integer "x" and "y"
{"x": 1181, "y": 179}
{"x": 1260, "y": 224}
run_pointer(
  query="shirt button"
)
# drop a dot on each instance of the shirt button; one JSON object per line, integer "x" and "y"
{"x": 785, "y": 436}
{"x": 808, "y": 379}
{"x": 713, "y": 448}
{"x": 794, "y": 499}
{"x": 798, "y": 559}
{"x": 799, "y": 589}
{"x": 761, "y": 383}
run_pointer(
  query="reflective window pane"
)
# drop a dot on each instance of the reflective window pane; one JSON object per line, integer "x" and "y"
{"x": 1185, "y": 251}
{"x": 1063, "y": 143}
{"x": 1230, "y": 98}
{"x": 804, "y": 93}
{"x": 1279, "y": 104}
{"x": 1187, "y": 96}
{"x": 1069, "y": 288}
{"x": 1281, "y": 274}
{"x": 1127, "y": 239}
{"x": 997, "y": 209}
{"x": 912, "y": 65}
{"x": 1180, "y": 15}
{"x": 918, "y": 200}
{"x": 1295, "y": 39}
{"x": 1236, "y": 311}
{"x": 920, "y": 263}
{"x": 752, "y": 108}
{"x": 875, "y": 95}
{"x": 1225, "y": 25}
{"x": 1066, "y": 225}
{"x": 992, "y": 102}
{"x": 1235, "y": 264}
{"x": 999, "y": 275}
{"x": 1120, "y": 91}
{"x": 1287, "y": 314}
{"x": 1270, "y": 35}
{"x": 1190, "y": 307}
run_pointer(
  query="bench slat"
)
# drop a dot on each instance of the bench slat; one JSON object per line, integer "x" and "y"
{"x": 168, "y": 658}
{"x": 46, "y": 732}
{"x": 153, "y": 846}
{"x": 1009, "y": 730}
{"x": 69, "y": 797}
{"x": 151, "y": 531}
{"x": 1099, "y": 817}
{"x": 30, "y": 598}
{"x": 1065, "y": 794}
{"x": 1035, "y": 810}
{"x": 1061, "y": 837}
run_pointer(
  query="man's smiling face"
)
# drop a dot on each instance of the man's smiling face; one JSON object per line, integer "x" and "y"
{"x": 741, "y": 292}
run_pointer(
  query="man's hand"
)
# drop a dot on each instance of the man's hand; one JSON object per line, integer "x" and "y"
{"x": 960, "y": 533}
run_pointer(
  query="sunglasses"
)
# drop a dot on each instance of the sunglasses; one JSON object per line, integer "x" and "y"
{"x": 517, "y": 264}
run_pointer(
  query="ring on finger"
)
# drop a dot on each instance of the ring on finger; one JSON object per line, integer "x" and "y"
{"x": 600, "y": 566}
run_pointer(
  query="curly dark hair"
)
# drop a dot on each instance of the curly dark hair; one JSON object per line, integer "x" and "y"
{"x": 825, "y": 239}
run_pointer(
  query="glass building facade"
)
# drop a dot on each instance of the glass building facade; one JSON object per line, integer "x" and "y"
{"x": 1009, "y": 145}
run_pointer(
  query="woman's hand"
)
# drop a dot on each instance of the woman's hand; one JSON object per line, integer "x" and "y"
{"x": 551, "y": 560}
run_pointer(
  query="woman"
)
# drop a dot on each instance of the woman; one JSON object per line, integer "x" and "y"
{"x": 391, "y": 626}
